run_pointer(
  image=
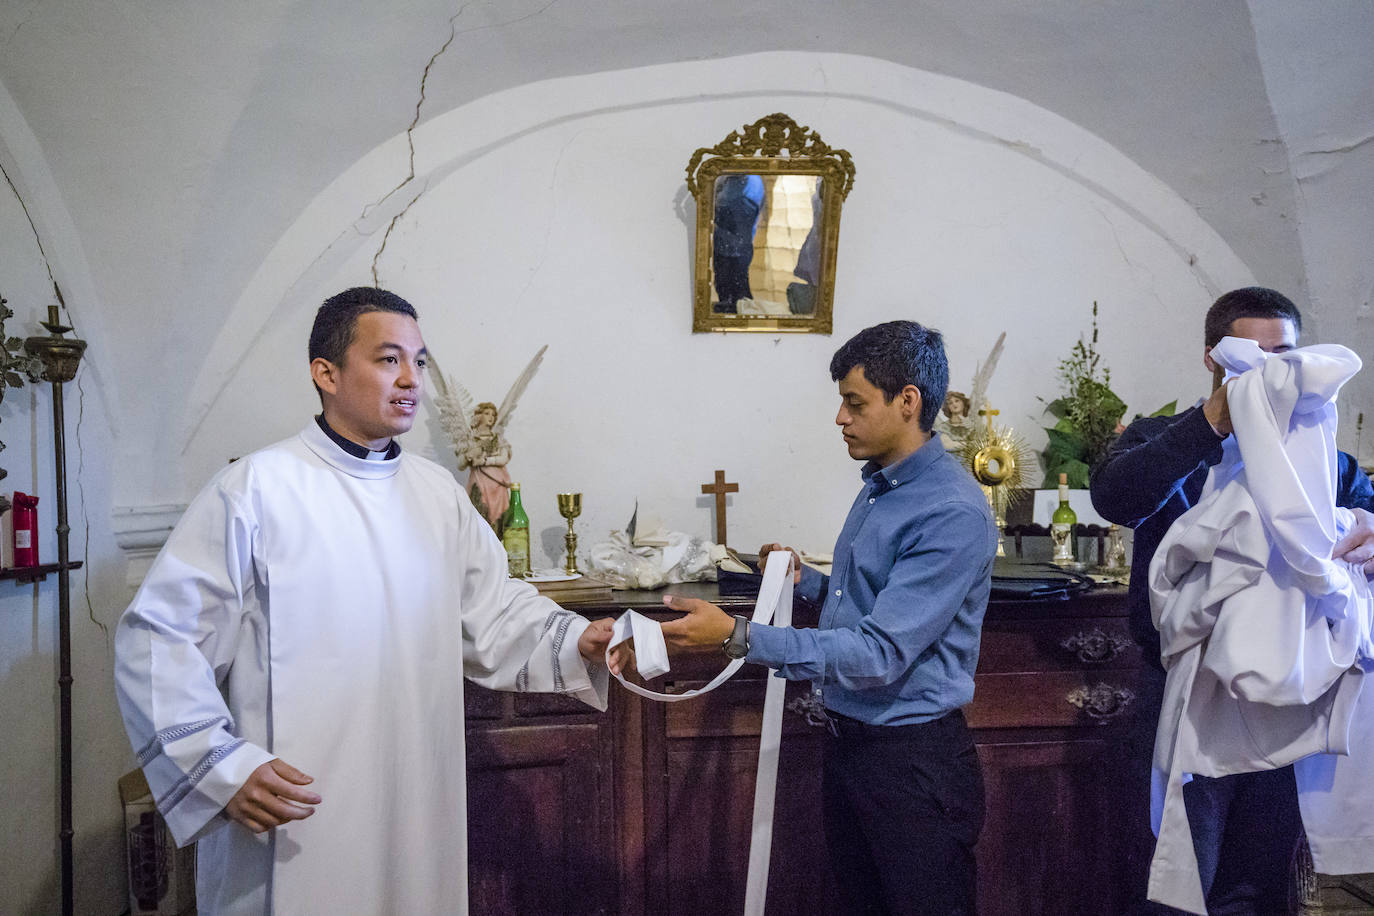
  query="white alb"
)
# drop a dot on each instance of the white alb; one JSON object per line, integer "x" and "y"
{"x": 1266, "y": 638}
{"x": 324, "y": 609}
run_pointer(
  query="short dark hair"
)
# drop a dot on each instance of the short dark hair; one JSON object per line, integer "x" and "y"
{"x": 895, "y": 354}
{"x": 1247, "y": 302}
{"x": 337, "y": 319}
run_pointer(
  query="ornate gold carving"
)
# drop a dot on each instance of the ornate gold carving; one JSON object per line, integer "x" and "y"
{"x": 775, "y": 136}
{"x": 774, "y": 149}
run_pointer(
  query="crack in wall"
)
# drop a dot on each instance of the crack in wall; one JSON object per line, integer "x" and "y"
{"x": 57, "y": 291}
{"x": 553, "y": 216}
{"x": 28, "y": 14}
{"x": 453, "y": 33}
{"x": 410, "y": 143}
{"x": 1348, "y": 148}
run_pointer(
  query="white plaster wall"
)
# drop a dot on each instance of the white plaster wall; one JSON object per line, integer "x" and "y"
{"x": 1321, "y": 80}
{"x": 555, "y": 213}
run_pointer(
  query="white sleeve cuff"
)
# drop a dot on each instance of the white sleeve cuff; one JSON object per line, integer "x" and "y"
{"x": 196, "y": 813}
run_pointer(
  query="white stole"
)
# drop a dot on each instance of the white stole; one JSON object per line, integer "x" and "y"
{"x": 774, "y": 604}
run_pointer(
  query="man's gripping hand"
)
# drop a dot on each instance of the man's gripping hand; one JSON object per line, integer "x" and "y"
{"x": 271, "y": 797}
{"x": 1357, "y": 547}
{"x": 594, "y": 640}
{"x": 766, "y": 549}
{"x": 1217, "y": 410}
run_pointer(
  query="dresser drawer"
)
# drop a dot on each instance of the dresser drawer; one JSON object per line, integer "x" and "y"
{"x": 1057, "y": 644}
{"x": 1052, "y": 699}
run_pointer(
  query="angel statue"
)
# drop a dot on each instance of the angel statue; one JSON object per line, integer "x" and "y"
{"x": 959, "y": 414}
{"x": 479, "y": 438}
{"x": 954, "y": 423}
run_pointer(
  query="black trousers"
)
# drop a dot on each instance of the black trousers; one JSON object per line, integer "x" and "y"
{"x": 1245, "y": 830}
{"x": 903, "y": 807}
{"x": 732, "y": 279}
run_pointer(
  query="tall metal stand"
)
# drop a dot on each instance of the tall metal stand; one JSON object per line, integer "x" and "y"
{"x": 60, "y": 357}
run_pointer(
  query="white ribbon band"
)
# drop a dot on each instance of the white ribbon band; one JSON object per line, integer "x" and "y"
{"x": 770, "y": 742}
{"x": 774, "y": 604}
{"x": 651, "y": 654}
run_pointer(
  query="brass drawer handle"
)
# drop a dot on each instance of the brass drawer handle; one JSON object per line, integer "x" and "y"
{"x": 1102, "y": 702}
{"x": 1095, "y": 647}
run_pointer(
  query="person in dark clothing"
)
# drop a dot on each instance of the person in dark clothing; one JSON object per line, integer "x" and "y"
{"x": 739, "y": 202}
{"x": 1245, "y": 827}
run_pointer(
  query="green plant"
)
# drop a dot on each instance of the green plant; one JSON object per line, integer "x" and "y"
{"x": 1088, "y": 414}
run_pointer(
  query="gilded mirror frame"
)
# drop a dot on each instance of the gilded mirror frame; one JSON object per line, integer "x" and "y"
{"x": 771, "y": 147}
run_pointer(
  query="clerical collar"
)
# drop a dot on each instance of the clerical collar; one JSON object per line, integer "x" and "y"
{"x": 356, "y": 450}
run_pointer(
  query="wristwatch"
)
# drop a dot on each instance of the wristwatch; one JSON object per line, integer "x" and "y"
{"x": 736, "y": 645}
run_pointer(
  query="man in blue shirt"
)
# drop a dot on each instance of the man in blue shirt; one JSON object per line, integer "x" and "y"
{"x": 897, "y": 645}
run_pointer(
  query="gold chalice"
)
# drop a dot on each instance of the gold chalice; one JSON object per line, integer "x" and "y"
{"x": 570, "y": 507}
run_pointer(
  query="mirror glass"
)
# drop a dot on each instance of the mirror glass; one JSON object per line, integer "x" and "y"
{"x": 766, "y": 245}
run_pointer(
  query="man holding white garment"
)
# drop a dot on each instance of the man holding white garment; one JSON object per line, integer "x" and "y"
{"x": 1246, "y": 826}
{"x": 314, "y": 612}
{"x": 895, "y": 652}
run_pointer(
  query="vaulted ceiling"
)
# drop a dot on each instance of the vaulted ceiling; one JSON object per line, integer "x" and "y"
{"x": 197, "y": 132}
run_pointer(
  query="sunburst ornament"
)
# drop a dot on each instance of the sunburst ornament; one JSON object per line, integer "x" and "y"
{"x": 1000, "y": 460}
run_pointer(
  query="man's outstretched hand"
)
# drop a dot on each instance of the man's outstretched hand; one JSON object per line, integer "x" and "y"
{"x": 704, "y": 626}
{"x": 272, "y": 796}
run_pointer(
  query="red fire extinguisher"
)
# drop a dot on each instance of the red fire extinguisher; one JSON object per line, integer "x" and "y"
{"x": 25, "y": 529}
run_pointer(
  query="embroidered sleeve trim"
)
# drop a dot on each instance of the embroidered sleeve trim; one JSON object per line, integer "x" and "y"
{"x": 564, "y": 620}
{"x": 175, "y": 733}
{"x": 188, "y": 782}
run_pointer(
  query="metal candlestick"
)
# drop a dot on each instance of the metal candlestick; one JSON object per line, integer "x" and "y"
{"x": 570, "y": 507}
{"x": 60, "y": 358}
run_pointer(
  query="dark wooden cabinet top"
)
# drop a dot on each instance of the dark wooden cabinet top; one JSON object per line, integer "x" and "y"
{"x": 1100, "y": 601}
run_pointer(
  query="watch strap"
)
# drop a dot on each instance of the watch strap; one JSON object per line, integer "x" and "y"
{"x": 736, "y": 645}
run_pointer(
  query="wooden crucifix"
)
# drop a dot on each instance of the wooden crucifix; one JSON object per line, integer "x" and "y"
{"x": 720, "y": 488}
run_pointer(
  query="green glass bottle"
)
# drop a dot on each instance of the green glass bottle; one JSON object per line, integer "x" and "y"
{"x": 515, "y": 535}
{"x": 1062, "y": 525}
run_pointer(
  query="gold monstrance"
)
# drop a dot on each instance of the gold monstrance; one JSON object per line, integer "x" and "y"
{"x": 998, "y": 458}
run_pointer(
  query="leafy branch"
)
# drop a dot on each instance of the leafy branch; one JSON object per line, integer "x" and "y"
{"x": 1088, "y": 413}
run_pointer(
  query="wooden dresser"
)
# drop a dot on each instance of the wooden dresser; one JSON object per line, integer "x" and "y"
{"x": 647, "y": 808}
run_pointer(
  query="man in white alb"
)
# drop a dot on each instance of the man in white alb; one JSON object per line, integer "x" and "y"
{"x": 314, "y": 612}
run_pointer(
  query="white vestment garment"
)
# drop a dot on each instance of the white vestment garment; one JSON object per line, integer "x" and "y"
{"x": 1263, "y": 635}
{"x": 323, "y": 609}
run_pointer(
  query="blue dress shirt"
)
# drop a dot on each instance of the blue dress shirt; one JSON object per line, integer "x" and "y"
{"x": 898, "y": 637}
